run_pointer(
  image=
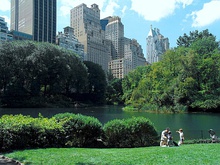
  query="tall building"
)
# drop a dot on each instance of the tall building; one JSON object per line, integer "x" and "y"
{"x": 68, "y": 41}
{"x": 134, "y": 53}
{"x": 133, "y": 57}
{"x": 87, "y": 29}
{"x": 157, "y": 44}
{"x": 126, "y": 54}
{"x": 114, "y": 32}
{"x": 4, "y": 34}
{"x": 35, "y": 17}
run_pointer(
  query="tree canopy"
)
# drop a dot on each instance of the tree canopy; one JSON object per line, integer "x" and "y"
{"x": 187, "y": 77}
{"x": 41, "y": 70}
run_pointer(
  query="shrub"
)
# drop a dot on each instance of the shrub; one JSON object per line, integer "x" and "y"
{"x": 20, "y": 132}
{"x": 79, "y": 130}
{"x": 132, "y": 132}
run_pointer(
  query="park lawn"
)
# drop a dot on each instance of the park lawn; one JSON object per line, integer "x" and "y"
{"x": 190, "y": 154}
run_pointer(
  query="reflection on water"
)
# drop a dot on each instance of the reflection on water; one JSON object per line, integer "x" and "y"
{"x": 195, "y": 125}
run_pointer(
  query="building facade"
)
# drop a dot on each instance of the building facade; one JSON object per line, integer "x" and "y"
{"x": 157, "y": 44}
{"x": 114, "y": 32}
{"x": 36, "y": 18}
{"x": 4, "y": 33}
{"x": 68, "y": 41}
{"x": 120, "y": 67}
{"x": 87, "y": 29}
{"x": 134, "y": 53}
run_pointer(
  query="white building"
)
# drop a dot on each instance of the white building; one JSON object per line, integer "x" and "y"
{"x": 68, "y": 41}
{"x": 156, "y": 45}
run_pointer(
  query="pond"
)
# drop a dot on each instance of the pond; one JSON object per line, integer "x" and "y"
{"x": 195, "y": 125}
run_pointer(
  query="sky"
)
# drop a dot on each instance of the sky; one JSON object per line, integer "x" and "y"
{"x": 172, "y": 17}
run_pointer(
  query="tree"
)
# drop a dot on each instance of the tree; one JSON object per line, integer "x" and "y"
{"x": 114, "y": 91}
{"x": 131, "y": 81}
{"x": 29, "y": 69}
{"x": 185, "y": 77}
{"x": 187, "y": 40}
{"x": 97, "y": 82}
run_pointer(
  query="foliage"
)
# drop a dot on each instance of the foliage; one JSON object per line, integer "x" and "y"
{"x": 114, "y": 92}
{"x": 131, "y": 82}
{"x": 79, "y": 130}
{"x": 97, "y": 83}
{"x": 31, "y": 70}
{"x": 133, "y": 132}
{"x": 62, "y": 130}
{"x": 187, "y": 77}
{"x": 187, "y": 40}
{"x": 20, "y": 132}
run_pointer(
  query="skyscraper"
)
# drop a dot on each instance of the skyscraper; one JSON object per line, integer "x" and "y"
{"x": 157, "y": 44}
{"x": 35, "y": 17}
{"x": 114, "y": 32}
{"x": 87, "y": 29}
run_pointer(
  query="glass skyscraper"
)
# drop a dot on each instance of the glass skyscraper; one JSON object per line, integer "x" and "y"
{"x": 35, "y": 17}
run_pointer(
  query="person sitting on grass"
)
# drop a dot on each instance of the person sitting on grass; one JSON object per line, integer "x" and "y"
{"x": 163, "y": 140}
{"x": 213, "y": 135}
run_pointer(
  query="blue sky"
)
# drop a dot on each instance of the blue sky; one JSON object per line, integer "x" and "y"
{"x": 172, "y": 17}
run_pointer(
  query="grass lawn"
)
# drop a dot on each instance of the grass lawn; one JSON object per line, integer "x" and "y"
{"x": 191, "y": 154}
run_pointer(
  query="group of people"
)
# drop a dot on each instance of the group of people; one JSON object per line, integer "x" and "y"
{"x": 167, "y": 138}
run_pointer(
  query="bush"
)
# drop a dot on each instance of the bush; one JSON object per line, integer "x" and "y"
{"x": 21, "y": 132}
{"x": 133, "y": 132}
{"x": 79, "y": 130}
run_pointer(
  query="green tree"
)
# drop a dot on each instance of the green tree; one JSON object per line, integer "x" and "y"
{"x": 97, "y": 82}
{"x": 187, "y": 40}
{"x": 29, "y": 69}
{"x": 186, "y": 77}
{"x": 131, "y": 81}
{"x": 114, "y": 92}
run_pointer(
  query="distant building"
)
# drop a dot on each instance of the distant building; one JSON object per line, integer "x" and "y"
{"x": 157, "y": 44}
{"x": 88, "y": 30}
{"x": 68, "y": 41}
{"x": 36, "y": 18}
{"x": 4, "y": 35}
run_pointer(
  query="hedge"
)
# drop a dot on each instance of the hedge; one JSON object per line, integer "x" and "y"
{"x": 73, "y": 130}
{"x": 132, "y": 132}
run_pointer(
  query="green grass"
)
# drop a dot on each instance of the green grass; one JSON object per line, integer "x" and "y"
{"x": 192, "y": 154}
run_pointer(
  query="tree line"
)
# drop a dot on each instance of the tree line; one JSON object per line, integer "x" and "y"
{"x": 187, "y": 78}
{"x": 41, "y": 74}
{"x": 35, "y": 74}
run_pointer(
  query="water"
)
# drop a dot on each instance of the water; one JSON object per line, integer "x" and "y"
{"x": 195, "y": 125}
